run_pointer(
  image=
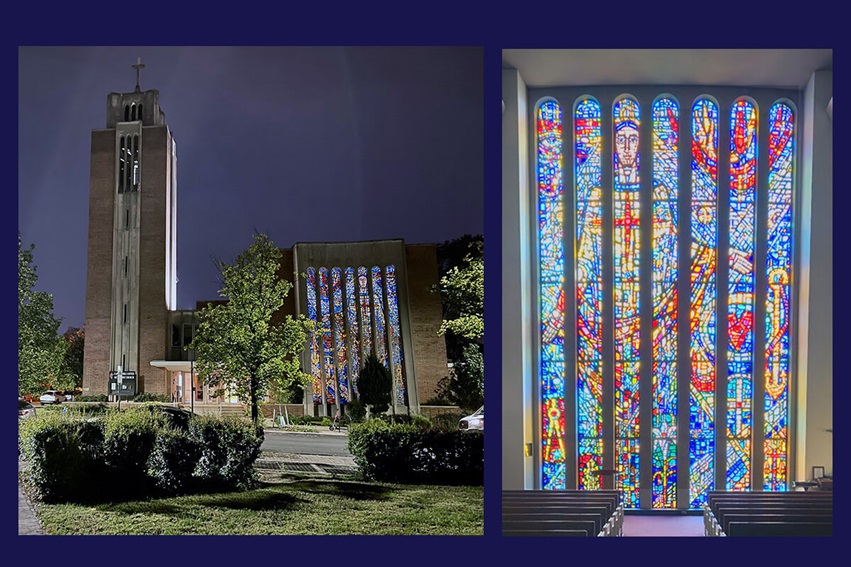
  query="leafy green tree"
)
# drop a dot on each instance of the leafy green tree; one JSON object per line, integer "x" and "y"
{"x": 40, "y": 348}
{"x": 374, "y": 385}
{"x": 462, "y": 289}
{"x": 236, "y": 343}
{"x": 463, "y": 292}
{"x": 465, "y": 386}
{"x": 71, "y": 371}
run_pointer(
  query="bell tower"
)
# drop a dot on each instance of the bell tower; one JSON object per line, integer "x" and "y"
{"x": 131, "y": 281}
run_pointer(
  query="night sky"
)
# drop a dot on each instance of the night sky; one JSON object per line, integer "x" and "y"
{"x": 307, "y": 144}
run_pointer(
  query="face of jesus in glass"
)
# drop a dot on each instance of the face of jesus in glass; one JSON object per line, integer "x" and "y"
{"x": 626, "y": 146}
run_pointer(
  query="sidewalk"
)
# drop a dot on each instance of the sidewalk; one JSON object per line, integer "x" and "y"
{"x": 28, "y": 524}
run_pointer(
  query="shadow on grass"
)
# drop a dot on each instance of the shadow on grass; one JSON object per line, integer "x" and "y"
{"x": 347, "y": 489}
{"x": 141, "y": 507}
{"x": 254, "y": 500}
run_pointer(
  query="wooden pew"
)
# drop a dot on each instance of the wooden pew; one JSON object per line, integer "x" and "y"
{"x": 510, "y": 526}
{"x": 550, "y": 533}
{"x": 787, "y": 529}
{"x": 528, "y": 512}
{"x": 729, "y": 513}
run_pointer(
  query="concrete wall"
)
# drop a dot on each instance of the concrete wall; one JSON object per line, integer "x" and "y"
{"x": 426, "y": 310}
{"x": 815, "y": 300}
{"x": 517, "y": 392}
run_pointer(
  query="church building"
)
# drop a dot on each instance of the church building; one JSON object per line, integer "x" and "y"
{"x": 374, "y": 296}
{"x": 666, "y": 272}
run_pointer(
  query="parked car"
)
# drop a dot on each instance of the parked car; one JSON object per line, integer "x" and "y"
{"x": 51, "y": 397}
{"x": 474, "y": 421}
{"x": 25, "y": 409}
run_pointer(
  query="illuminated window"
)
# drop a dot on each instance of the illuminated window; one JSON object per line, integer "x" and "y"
{"x": 355, "y": 312}
{"x": 658, "y": 348}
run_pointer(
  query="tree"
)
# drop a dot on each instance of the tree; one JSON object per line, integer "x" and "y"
{"x": 463, "y": 293}
{"x": 465, "y": 386}
{"x": 71, "y": 371}
{"x": 40, "y": 348}
{"x": 462, "y": 289}
{"x": 374, "y": 385}
{"x": 236, "y": 343}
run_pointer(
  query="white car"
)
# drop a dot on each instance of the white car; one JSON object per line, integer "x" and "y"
{"x": 474, "y": 421}
{"x": 51, "y": 397}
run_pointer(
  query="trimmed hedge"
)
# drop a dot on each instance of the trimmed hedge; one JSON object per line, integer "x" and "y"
{"x": 409, "y": 454}
{"x": 135, "y": 454}
{"x": 228, "y": 448}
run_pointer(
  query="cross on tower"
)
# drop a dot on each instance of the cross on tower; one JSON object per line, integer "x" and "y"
{"x": 138, "y": 66}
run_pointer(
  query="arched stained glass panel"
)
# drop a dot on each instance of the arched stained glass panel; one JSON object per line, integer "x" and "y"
{"x": 781, "y": 159}
{"x": 551, "y": 234}
{"x": 704, "y": 253}
{"x": 365, "y": 313}
{"x": 315, "y": 366}
{"x": 627, "y": 257}
{"x": 589, "y": 289}
{"x": 395, "y": 345}
{"x": 340, "y": 336}
{"x": 378, "y": 306}
{"x": 740, "y": 294}
{"x": 665, "y": 296}
{"x": 327, "y": 348}
{"x": 352, "y": 321}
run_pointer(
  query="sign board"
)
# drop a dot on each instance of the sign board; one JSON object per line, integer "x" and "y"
{"x": 127, "y": 384}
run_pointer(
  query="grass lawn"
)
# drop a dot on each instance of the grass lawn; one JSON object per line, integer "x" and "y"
{"x": 288, "y": 504}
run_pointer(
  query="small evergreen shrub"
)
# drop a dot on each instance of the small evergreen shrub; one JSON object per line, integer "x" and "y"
{"x": 55, "y": 469}
{"x": 97, "y": 398}
{"x": 134, "y": 454}
{"x": 446, "y": 421}
{"x": 129, "y": 438}
{"x": 402, "y": 453}
{"x": 229, "y": 447}
{"x": 147, "y": 397}
{"x": 356, "y": 410}
{"x": 172, "y": 461}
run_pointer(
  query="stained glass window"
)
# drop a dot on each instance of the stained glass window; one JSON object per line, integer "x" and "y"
{"x": 327, "y": 348}
{"x": 740, "y": 295}
{"x": 340, "y": 336}
{"x": 781, "y": 156}
{"x": 611, "y": 235}
{"x": 378, "y": 309}
{"x": 589, "y": 289}
{"x": 395, "y": 335}
{"x": 365, "y": 316}
{"x": 352, "y": 321}
{"x": 704, "y": 253}
{"x": 627, "y": 257}
{"x": 549, "y": 126}
{"x": 315, "y": 367}
{"x": 664, "y": 289}
{"x": 334, "y": 300}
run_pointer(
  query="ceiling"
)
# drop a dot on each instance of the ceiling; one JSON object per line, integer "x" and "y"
{"x": 778, "y": 68}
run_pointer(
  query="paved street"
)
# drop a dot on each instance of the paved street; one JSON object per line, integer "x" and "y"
{"x": 327, "y": 443}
